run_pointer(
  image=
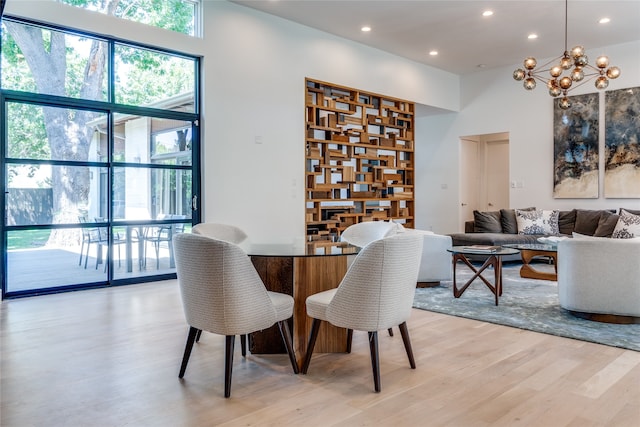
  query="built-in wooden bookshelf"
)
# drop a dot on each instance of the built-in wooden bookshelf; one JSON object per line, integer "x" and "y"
{"x": 359, "y": 159}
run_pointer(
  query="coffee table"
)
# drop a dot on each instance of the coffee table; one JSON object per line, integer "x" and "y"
{"x": 494, "y": 259}
{"x": 530, "y": 250}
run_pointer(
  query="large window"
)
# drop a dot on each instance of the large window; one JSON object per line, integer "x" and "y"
{"x": 98, "y": 162}
{"x": 176, "y": 15}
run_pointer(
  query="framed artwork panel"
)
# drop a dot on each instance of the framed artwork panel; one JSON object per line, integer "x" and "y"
{"x": 575, "y": 148}
{"x": 622, "y": 143}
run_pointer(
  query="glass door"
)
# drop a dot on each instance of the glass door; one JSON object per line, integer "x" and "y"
{"x": 99, "y": 159}
{"x": 95, "y": 222}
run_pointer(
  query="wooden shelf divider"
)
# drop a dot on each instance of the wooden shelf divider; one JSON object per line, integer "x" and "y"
{"x": 359, "y": 159}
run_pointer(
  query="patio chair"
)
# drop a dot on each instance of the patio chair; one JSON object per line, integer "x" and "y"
{"x": 103, "y": 242}
{"x": 157, "y": 235}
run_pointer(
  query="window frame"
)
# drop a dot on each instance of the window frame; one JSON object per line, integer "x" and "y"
{"x": 111, "y": 109}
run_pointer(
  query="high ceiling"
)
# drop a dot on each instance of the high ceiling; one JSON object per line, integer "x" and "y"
{"x": 467, "y": 41}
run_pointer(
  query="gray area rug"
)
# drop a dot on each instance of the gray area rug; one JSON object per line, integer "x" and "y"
{"x": 525, "y": 304}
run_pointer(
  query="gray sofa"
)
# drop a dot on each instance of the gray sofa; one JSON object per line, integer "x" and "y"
{"x": 500, "y": 227}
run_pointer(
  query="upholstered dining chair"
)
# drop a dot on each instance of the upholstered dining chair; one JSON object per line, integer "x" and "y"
{"x": 363, "y": 233}
{"x": 376, "y": 293}
{"x": 229, "y": 233}
{"x": 223, "y": 294}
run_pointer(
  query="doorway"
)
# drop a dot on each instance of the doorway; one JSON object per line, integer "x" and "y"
{"x": 484, "y": 174}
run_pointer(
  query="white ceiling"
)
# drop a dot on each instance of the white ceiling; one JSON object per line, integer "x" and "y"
{"x": 458, "y": 31}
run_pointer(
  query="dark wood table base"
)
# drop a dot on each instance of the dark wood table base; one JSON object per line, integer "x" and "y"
{"x": 492, "y": 260}
{"x": 531, "y": 273}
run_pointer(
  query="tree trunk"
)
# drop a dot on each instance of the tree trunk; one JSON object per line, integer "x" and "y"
{"x": 66, "y": 129}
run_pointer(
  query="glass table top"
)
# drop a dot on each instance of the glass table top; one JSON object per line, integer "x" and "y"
{"x": 533, "y": 247}
{"x": 304, "y": 249}
{"x": 499, "y": 250}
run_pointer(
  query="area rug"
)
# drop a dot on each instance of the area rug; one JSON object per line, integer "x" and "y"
{"x": 526, "y": 304}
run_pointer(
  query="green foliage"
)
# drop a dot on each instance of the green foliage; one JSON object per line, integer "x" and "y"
{"x": 27, "y": 239}
{"x": 16, "y": 74}
{"x": 150, "y": 76}
{"x": 174, "y": 15}
{"x": 27, "y": 136}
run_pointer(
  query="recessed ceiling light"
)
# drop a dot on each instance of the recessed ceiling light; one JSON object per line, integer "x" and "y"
{"x": 604, "y": 21}
{"x": 433, "y": 53}
{"x": 532, "y": 36}
{"x": 487, "y": 13}
{"x": 365, "y": 29}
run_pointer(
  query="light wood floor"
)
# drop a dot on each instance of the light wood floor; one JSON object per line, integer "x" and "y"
{"x": 110, "y": 357}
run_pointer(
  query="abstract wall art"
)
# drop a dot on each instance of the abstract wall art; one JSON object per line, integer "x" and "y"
{"x": 622, "y": 143}
{"x": 575, "y": 148}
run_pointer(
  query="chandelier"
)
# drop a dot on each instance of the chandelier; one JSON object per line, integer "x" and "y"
{"x": 562, "y": 76}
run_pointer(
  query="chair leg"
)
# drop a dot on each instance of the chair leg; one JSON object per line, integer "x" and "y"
{"x": 81, "y": 251}
{"x": 198, "y": 335}
{"x": 349, "y": 339}
{"x": 288, "y": 343}
{"x": 106, "y": 256}
{"x": 315, "y": 328}
{"x": 86, "y": 258}
{"x": 157, "y": 247}
{"x": 407, "y": 344}
{"x": 243, "y": 345}
{"x": 106, "y": 259}
{"x": 228, "y": 363}
{"x": 375, "y": 360}
{"x": 187, "y": 350}
{"x": 390, "y": 332}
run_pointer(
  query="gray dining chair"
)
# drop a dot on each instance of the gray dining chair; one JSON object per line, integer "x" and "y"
{"x": 227, "y": 232}
{"x": 376, "y": 294}
{"x": 222, "y": 293}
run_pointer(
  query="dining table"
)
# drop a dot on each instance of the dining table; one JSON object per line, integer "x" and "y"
{"x": 300, "y": 270}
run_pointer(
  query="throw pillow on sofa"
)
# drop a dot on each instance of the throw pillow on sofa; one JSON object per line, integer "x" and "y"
{"x": 567, "y": 221}
{"x": 487, "y": 222}
{"x": 606, "y": 224}
{"x": 635, "y": 212}
{"x": 587, "y": 221}
{"x": 508, "y": 220}
{"x": 537, "y": 222}
{"x": 628, "y": 226}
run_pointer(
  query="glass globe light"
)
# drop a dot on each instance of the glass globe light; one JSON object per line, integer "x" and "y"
{"x": 613, "y": 72}
{"x": 555, "y": 71}
{"x": 529, "y": 83}
{"x": 564, "y": 103}
{"x": 577, "y": 75}
{"x": 555, "y": 91}
{"x": 566, "y": 62}
{"x": 577, "y": 52}
{"x": 552, "y": 83}
{"x": 530, "y": 63}
{"x": 602, "y": 82}
{"x": 581, "y": 61}
{"x": 565, "y": 82}
{"x": 602, "y": 62}
{"x": 518, "y": 74}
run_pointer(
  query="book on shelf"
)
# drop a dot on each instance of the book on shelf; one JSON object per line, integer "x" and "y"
{"x": 483, "y": 249}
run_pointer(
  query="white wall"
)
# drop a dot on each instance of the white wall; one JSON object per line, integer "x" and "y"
{"x": 493, "y": 102}
{"x": 253, "y": 86}
{"x": 255, "y": 66}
